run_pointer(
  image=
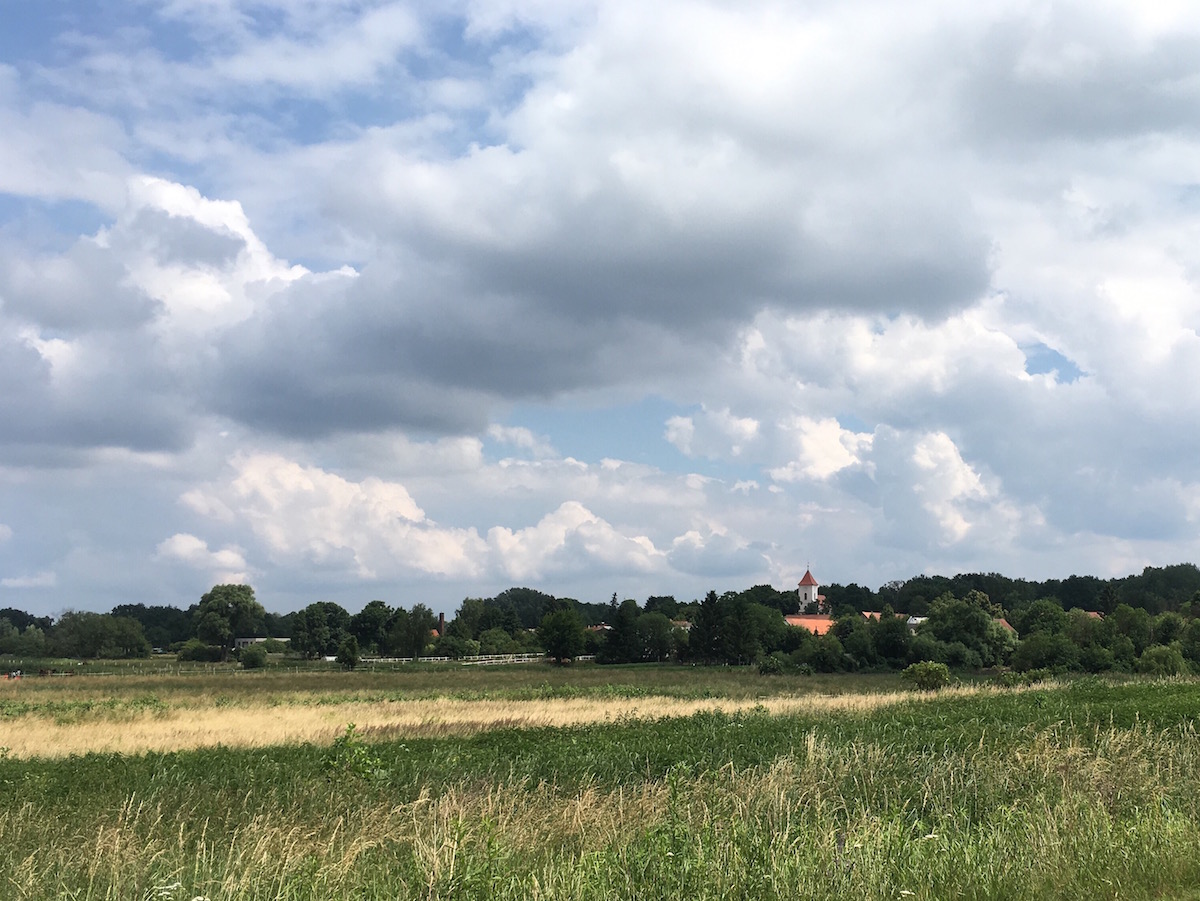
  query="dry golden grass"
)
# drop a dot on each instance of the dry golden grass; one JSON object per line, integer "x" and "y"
{"x": 197, "y": 722}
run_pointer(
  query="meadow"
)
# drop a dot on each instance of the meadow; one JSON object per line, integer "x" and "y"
{"x": 663, "y": 782}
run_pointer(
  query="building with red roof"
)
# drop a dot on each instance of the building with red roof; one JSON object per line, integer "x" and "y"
{"x": 810, "y": 593}
{"x": 817, "y": 624}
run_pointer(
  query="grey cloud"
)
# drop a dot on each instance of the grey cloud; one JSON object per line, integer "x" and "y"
{"x": 898, "y": 238}
{"x": 718, "y": 556}
{"x": 1120, "y": 504}
{"x": 115, "y": 396}
{"x": 181, "y": 240}
{"x": 81, "y": 290}
{"x": 383, "y": 351}
{"x": 1078, "y": 77}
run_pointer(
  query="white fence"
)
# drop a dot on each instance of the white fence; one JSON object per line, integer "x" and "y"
{"x": 477, "y": 660}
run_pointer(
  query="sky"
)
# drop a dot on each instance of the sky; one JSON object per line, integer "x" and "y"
{"x": 356, "y": 300}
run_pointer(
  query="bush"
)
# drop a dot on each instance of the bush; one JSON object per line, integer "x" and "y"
{"x": 927, "y": 675}
{"x": 196, "y": 650}
{"x": 1028, "y": 677}
{"x": 925, "y": 648}
{"x": 771, "y": 666}
{"x": 1096, "y": 659}
{"x": 1044, "y": 651}
{"x": 453, "y": 647}
{"x": 1162, "y": 660}
{"x": 254, "y": 657}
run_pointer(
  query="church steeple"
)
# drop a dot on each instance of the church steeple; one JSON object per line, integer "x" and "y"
{"x": 810, "y": 593}
{"x": 808, "y": 589}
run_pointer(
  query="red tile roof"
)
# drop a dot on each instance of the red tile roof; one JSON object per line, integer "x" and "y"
{"x": 816, "y": 624}
{"x": 808, "y": 578}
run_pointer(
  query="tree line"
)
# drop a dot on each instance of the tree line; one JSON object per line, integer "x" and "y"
{"x": 1148, "y": 622}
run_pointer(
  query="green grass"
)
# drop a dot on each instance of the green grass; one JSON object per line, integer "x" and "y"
{"x": 324, "y": 686}
{"x": 1085, "y": 791}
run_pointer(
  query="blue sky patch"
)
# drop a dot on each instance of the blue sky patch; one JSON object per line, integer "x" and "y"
{"x": 1041, "y": 359}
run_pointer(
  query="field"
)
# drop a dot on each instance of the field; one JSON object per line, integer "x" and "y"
{"x": 638, "y": 782}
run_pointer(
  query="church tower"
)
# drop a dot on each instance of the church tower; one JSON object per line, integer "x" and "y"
{"x": 808, "y": 590}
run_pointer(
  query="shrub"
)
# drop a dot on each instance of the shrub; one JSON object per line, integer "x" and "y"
{"x": 927, "y": 675}
{"x": 1096, "y": 659}
{"x": 454, "y": 647}
{"x": 1162, "y": 660}
{"x": 1028, "y": 677}
{"x": 196, "y": 650}
{"x": 771, "y": 666}
{"x": 350, "y": 759}
{"x": 1042, "y": 650}
{"x": 254, "y": 657}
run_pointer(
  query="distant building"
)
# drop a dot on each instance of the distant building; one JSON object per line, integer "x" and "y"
{"x": 240, "y": 643}
{"x": 810, "y": 592}
{"x": 816, "y": 623}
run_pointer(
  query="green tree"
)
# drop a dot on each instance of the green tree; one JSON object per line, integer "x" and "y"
{"x": 319, "y": 629}
{"x": 664, "y": 604}
{"x": 1168, "y": 627}
{"x": 496, "y": 641}
{"x": 21, "y": 620}
{"x": 704, "y": 639}
{"x": 227, "y": 612}
{"x": 465, "y": 624}
{"x": 656, "y": 636}
{"x": 409, "y": 631}
{"x": 1043, "y": 615}
{"x": 369, "y": 625}
{"x": 561, "y": 634}
{"x": 892, "y": 637}
{"x": 1134, "y": 624}
{"x": 453, "y": 647}
{"x": 529, "y": 605}
{"x": 9, "y": 636}
{"x": 623, "y": 644}
{"x": 966, "y": 622}
{"x": 99, "y": 635}
{"x": 163, "y": 625}
{"x": 823, "y": 654}
{"x": 347, "y": 655}
{"x": 1190, "y": 643}
{"x": 1046, "y": 650}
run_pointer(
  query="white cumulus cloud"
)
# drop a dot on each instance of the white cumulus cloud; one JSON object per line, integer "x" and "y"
{"x": 227, "y": 565}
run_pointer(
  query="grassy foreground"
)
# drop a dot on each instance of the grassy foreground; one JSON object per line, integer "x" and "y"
{"x": 1083, "y": 791}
